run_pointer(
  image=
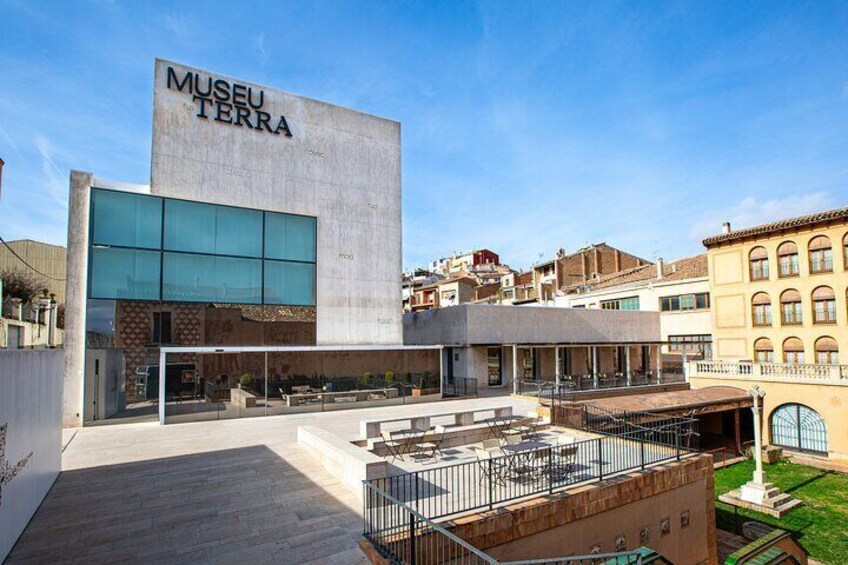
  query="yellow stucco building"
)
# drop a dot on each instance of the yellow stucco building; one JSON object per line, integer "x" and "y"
{"x": 780, "y": 320}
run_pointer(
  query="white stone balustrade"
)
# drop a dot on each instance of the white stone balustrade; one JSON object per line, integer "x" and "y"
{"x": 823, "y": 374}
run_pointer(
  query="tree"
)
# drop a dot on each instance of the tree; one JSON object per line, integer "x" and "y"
{"x": 21, "y": 284}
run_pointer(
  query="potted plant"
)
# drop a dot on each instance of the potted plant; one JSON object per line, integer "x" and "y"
{"x": 367, "y": 378}
{"x": 390, "y": 377}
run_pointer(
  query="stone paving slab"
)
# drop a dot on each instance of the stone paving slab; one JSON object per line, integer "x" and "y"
{"x": 206, "y": 492}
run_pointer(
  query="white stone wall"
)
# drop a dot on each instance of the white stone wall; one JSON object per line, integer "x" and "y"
{"x": 31, "y": 412}
{"x": 342, "y": 166}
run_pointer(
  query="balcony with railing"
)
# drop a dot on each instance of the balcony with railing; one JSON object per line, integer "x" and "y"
{"x": 793, "y": 372}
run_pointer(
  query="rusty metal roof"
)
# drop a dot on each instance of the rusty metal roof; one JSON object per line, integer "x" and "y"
{"x": 673, "y": 401}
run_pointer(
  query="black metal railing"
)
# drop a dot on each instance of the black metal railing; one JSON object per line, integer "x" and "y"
{"x": 661, "y": 429}
{"x": 440, "y": 492}
{"x": 543, "y": 387}
{"x": 459, "y": 386}
{"x": 402, "y": 535}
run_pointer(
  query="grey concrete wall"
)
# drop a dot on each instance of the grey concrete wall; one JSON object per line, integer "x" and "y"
{"x": 31, "y": 410}
{"x": 79, "y": 200}
{"x": 474, "y": 324}
{"x": 342, "y": 166}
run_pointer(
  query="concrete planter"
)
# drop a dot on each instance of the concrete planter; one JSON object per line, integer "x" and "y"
{"x": 424, "y": 391}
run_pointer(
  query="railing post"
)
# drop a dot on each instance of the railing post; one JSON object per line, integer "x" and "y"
{"x": 677, "y": 442}
{"x": 600, "y": 460}
{"x": 412, "y": 560}
{"x": 551, "y": 470}
{"x": 491, "y": 485}
{"x": 642, "y": 453}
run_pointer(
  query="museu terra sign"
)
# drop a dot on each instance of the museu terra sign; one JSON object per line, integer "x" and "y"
{"x": 228, "y": 102}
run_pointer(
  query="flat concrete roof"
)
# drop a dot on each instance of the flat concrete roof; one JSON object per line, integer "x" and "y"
{"x": 702, "y": 401}
{"x": 491, "y": 324}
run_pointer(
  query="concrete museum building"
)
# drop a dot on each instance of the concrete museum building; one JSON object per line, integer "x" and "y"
{"x": 262, "y": 258}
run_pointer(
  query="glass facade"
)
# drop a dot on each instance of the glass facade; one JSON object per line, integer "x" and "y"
{"x": 149, "y": 248}
{"x": 168, "y": 272}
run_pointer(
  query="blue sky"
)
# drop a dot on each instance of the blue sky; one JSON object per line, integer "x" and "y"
{"x": 527, "y": 126}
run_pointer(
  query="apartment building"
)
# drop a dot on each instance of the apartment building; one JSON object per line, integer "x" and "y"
{"x": 413, "y": 280}
{"x": 444, "y": 293}
{"x": 570, "y": 270}
{"x": 679, "y": 290}
{"x": 780, "y": 320}
{"x": 32, "y": 321}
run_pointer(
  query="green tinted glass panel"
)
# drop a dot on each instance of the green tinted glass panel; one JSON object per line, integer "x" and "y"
{"x": 206, "y": 278}
{"x": 289, "y": 283}
{"x": 289, "y": 237}
{"x": 125, "y": 219}
{"x": 207, "y": 228}
{"x": 124, "y": 273}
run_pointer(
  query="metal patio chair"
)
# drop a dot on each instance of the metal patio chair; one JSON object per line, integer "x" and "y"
{"x": 432, "y": 443}
{"x": 394, "y": 447}
{"x": 491, "y": 468}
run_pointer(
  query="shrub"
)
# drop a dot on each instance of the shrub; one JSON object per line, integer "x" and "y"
{"x": 367, "y": 378}
{"x": 246, "y": 380}
{"x": 390, "y": 377}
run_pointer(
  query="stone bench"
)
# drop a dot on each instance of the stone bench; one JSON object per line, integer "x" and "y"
{"x": 242, "y": 398}
{"x": 370, "y": 429}
{"x": 349, "y": 464}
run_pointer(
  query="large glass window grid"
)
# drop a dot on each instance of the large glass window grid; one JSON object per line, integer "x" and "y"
{"x": 146, "y": 247}
{"x": 629, "y": 303}
{"x": 685, "y": 302}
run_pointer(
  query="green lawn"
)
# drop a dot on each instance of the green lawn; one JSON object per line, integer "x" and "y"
{"x": 820, "y": 523}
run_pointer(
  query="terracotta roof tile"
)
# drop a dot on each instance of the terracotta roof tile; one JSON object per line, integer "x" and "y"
{"x": 680, "y": 269}
{"x": 838, "y": 214}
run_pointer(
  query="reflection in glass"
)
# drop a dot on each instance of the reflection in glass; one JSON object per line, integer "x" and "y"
{"x": 289, "y": 283}
{"x": 207, "y": 278}
{"x": 124, "y": 273}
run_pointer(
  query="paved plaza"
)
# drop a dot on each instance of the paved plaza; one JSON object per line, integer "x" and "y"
{"x": 217, "y": 492}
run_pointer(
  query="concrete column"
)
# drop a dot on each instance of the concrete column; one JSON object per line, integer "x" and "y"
{"x": 659, "y": 364}
{"x": 73, "y": 398}
{"x": 627, "y": 365}
{"x": 558, "y": 369}
{"x": 595, "y": 365}
{"x": 515, "y": 369}
{"x": 163, "y": 360}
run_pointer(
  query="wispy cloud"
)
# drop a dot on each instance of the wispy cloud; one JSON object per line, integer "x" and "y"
{"x": 751, "y": 211}
{"x": 259, "y": 44}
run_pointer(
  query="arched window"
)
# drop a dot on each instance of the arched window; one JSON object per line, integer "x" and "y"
{"x": 763, "y": 351}
{"x": 758, "y": 259}
{"x": 821, "y": 255}
{"x": 824, "y": 306}
{"x": 796, "y": 426}
{"x": 827, "y": 351}
{"x": 793, "y": 350}
{"x": 787, "y": 259}
{"x": 790, "y": 308}
{"x": 845, "y": 251}
{"x": 761, "y": 309}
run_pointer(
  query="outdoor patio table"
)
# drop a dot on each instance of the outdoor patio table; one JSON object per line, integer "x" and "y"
{"x": 521, "y": 455}
{"x": 411, "y": 436}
